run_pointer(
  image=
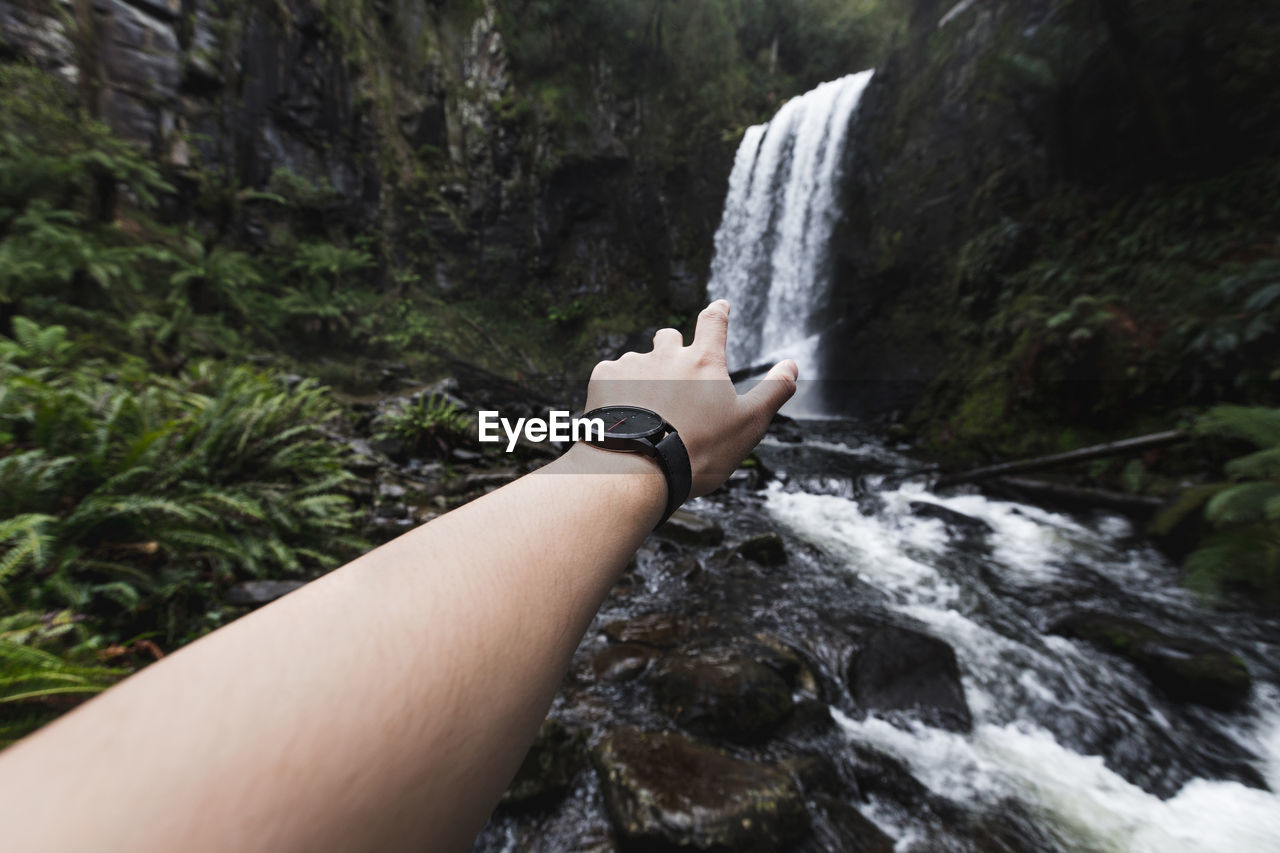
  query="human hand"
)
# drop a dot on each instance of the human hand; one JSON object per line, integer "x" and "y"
{"x": 689, "y": 387}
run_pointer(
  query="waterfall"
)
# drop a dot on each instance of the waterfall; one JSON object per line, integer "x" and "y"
{"x": 772, "y": 250}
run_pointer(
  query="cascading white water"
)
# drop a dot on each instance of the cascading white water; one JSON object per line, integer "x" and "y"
{"x": 1022, "y": 684}
{"x": 772, "y": 250}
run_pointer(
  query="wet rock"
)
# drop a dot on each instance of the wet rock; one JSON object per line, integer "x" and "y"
{"x": 383, "y": 529}
{"x": 881, "y": 775}
{"x": 622, "y": 662}
{"x": 814, "y": 773}
{"x": 665, "y": 790}
{"x": 786, "y": 430}
{"x": 463, "y": 455}
{"x": 447, "y": 387}
{"x": 360, "y": 447}
{"x": 808, "y": 719}
{"x": 41, "y": 34}
{"x": 422, "y": 514}
{"x": 139, "y": 56}
{"x": 393, "y": 510}
{"x": 690, "y": 529}
{"x": 548, "y": 767}
{"x": 739, "y": 699}
{"x": 764, "y": 548}
{"x": 789, "y": 663}
{"x": 391, "y": 491}
{"x": 659, "y": 630}
{"x": 167, "y": 10}
{"x": 900, "y": 670}
{"x": 1010, "y": 827}
{"x": 424, "y": 472}
{"x": 957, "y": 521}
{"x": 848, "y": 830}
{"x": 482, "y": 481}
{"x": 360, "y": 493}
{"x": 1187, "y": 669}
{"x": 688, "y": 567}
{"x": 743, "y": 478}
{"x": 388, "y": 445}
{"x": 255, "y": 593}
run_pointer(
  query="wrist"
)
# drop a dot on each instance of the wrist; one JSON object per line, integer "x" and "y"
{"x": 633, "y": 483}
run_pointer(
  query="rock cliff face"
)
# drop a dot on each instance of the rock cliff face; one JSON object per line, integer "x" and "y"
{"x": 988, "y": 107}
{"x": 390, "y": 117}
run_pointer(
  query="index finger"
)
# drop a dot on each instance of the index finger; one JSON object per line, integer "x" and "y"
{"x": 713, "y": 327}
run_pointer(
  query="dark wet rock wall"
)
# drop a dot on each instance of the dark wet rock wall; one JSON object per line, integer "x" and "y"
{"x": 397, "y": 120}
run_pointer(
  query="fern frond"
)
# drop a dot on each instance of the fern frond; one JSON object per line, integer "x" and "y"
{"x": 1254, "y": 424}
{"x": 1241, "y": 504}
{"x": 1262, "y": 465}
{"x": 1248, "y": 555}
{"x": 28, "y": 538}
{"x": 236, "y": 504}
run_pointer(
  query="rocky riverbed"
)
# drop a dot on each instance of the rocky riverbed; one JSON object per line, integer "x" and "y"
{"x": 820, "y": 658}
{"x": 823, "y": 656}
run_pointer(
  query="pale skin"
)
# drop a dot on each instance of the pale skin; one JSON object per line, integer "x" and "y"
{"x": 388, "y": 704}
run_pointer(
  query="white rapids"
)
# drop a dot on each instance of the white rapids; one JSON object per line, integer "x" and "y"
{"x": 1076, "y": 799}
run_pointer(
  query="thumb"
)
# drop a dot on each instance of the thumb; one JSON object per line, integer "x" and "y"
{"x": 777, "y": 387}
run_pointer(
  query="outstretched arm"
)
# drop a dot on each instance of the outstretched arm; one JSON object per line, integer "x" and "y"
{"x": 386, "y": 705}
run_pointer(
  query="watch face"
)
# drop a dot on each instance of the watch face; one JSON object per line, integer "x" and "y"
{"x": 627, "y": 421}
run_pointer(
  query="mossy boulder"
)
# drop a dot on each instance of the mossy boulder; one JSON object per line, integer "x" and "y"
{"x": 549, "y": 766}
{"x": 666, "y": 791}
{"x": 739, "y": 699}
{"x": 1187, "y": 669}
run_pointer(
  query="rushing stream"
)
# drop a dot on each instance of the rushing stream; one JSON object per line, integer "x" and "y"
{"x": 1093, "y": 755}
{"x": 1014, "y": 734}
{"x": 1071, "y": 748}
{"x": 1096, "y": 756}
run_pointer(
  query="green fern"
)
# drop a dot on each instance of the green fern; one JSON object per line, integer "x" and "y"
{"x": 45, "y": 667}
{"x": 1258, "y": 426}
{"x": 1248, "y": 556}
{"x": 27, "y": 539}
{"x": 116, "y": 495}
{"x": 1263, "y": 465}
{"x": 1245, "y": 512}
{"x": 431, "y": 422}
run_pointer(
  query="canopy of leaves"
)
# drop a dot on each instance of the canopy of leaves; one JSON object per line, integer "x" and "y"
{"x": 693, "y": 70}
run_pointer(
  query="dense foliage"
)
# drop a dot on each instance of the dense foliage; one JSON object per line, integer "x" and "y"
{"x": 694, "y": 71}
{"x": 144, "y": 469}
{"x": 139, "y": 476}
{"x": 1094, "y": 313}
{"x": 427, "y": 425}
{"x": 1243, "y": 549}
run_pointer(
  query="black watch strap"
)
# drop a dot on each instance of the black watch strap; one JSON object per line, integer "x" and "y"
{"x": 673, "y": 458}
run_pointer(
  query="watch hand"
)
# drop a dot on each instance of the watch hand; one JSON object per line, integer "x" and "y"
{"x": 621, "y": 421}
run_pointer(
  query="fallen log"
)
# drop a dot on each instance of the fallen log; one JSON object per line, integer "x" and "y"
{"x": 1083, "y": 454}
{"x": 1140, "y": 507}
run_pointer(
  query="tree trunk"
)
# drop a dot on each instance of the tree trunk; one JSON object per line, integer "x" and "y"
{"x": 1083, "y": 454}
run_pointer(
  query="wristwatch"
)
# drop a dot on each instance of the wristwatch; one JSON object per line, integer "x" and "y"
{"x": 631, "y": 429}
